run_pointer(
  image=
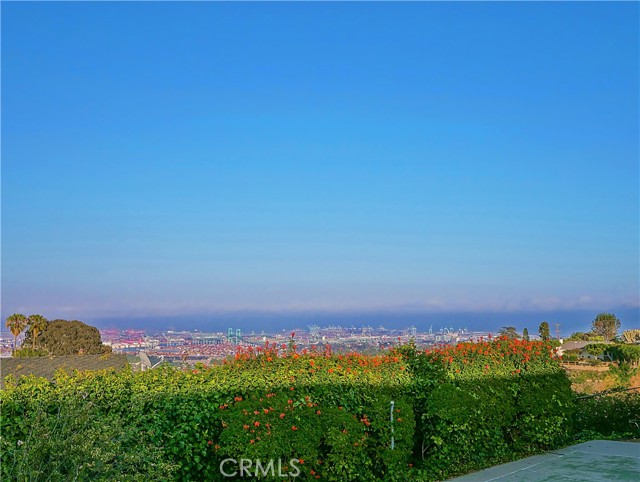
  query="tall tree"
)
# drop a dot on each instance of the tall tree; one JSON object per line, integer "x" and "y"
{"x": 525, "y": 334}
{"x": 37, "y": 324}
{"x": 545, "y": 335}
{"x": 16, "y": 323}
{"x": 606, "y": 325}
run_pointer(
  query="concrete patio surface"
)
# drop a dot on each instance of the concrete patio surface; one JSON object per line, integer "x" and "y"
{"x": 598, "y": 460}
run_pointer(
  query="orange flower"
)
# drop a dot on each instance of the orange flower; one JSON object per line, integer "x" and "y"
{"x": 294, "y": 428}
{"x": 282, "y": 415}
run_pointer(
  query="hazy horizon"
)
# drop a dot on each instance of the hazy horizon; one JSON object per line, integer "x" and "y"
{"x": 570, "y": 321}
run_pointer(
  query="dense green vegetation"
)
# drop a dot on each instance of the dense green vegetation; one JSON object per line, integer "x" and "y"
{"x": 54, "y": 338}
{"x": 455, "y": 409}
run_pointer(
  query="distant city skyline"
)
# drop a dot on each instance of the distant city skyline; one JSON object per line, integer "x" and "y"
{"x": 211, "y": 161}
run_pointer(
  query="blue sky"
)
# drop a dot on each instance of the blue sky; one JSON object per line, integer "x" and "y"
{"x": 166, "y": 159}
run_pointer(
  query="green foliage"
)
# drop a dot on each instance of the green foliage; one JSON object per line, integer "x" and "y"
{"x": 495, "y": 400}
{"x": 581, "y": 336}
{"x": 60, "y": 439}
{"x": 615, "y": 415}
{"x": 27, "y": 352}
{"x": 625, "y": 353}
{"x": 16, "y": 324}
{"x": 525, "y": 334}
{"x": 36, "y": 325}
{"x": 596, "y": 349}
{"x": 606, "y": 325}
{"x": 455, "y": 409}
{"x": 544, "y": 332}
{"x": 571, "y": 355}
{"x": 623, "y": 372}
{"x": 62, "y": 337}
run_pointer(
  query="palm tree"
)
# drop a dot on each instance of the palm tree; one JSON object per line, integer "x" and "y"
{"x": 16, "y": 323}
{"x": 37, "y": 324}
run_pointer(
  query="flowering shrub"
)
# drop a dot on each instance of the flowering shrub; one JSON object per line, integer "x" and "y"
{"x": 332, "y": 443}
{"x": 455, "y": 408}
{"x": 485, "y": 402}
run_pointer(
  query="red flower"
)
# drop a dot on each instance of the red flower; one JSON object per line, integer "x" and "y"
{"x": 294, "y": 428}
{"x": 282, "y": 415}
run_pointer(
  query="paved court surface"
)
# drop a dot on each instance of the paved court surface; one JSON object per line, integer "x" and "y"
{"x": 598, "y": 460}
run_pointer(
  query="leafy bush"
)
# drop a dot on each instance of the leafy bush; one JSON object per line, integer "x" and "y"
{"x": 571, "y": 356}
{"x": 625, "y": 353}
{"x": 596, "y": 349}
{"x": 26, "y": 352}
{"x": 498, "y": 399}
{"x": 63, "y": 440}
{"x": 615, "y": 415}
{"x": 623, "y": 372}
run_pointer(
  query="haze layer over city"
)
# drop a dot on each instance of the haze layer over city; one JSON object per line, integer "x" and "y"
{"x": 272, "y": 166}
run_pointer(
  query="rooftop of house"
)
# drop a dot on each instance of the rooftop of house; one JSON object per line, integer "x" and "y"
{"x": 579, "y": 345}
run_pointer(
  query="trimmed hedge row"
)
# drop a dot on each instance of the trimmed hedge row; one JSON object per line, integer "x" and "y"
{"x": 454, "y": 409}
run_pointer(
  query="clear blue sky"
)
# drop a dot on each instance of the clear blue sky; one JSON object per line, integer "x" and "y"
{"x": 161, "y": 159}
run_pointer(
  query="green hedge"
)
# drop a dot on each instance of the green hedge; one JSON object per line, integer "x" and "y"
{"x": 455, "y": 409}
{"x": 616, "y": 415}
